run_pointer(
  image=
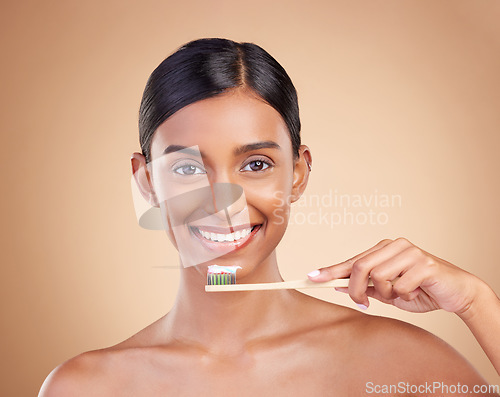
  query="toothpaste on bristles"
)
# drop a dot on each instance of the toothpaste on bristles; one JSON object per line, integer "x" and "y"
{"x": 221, "y": 275}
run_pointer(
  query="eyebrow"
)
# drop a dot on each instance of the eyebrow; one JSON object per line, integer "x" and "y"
{"x": 255, "y": 146}
{"x": 238, "y": 151}
{"x": 185, "y": 149}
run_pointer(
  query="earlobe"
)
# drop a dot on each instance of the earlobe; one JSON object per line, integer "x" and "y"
{"x": 303, "y": 166}
{"x": 143, "y": 178}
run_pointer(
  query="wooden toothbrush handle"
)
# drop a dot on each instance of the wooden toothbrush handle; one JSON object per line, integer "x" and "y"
{"x": 295, "y": 284}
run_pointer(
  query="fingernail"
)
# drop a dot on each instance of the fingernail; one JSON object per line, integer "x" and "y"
{"x": 362, "y": 307}
{"x": 314, "y": 273}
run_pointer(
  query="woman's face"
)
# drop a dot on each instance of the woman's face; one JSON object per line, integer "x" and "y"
{"x": 234, "y": 182}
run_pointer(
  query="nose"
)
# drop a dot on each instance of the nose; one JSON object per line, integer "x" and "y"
{"x": 226, "y": 201}
{"x": 220, "y": 199}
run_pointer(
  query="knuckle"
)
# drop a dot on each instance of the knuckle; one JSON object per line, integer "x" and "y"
{"x": 402, "y": 240}
{"x": 326, "y": 271}
{"x": 403, "y": 297}
{"x": 361, "y": 266}
{"x": 331, "y": 271}
{"x": 430, "y": 267}
{"x": 350, "y": 261}
{"x": 400, "y": 290}
{"x": 430, "y": 263}
{"x": 386, "y": 293}
{"x": 415, "y": 252}
{"x": 377, "y": 275}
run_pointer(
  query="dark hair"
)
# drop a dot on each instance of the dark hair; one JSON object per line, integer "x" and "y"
{"x": 207, "y": 67}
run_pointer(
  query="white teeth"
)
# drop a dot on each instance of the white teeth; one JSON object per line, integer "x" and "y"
{"x": 219, "y": 237}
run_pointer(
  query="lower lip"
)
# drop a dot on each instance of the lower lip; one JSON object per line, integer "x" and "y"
{"x": 225, "y": 246}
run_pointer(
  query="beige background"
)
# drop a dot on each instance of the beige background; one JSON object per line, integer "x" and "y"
{"x": 396, "y": 97}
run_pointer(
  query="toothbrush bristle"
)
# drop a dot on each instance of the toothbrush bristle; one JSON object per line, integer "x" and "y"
{"x": 221, "y": 279}
{"x": 221, "y": 275}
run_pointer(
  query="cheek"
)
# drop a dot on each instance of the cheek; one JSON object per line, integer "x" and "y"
{"x": 272, "y": 199}
{"x": 175, "y": 212}
{"x": 280, "y": 209}
{"x": 167, "y": 222}
{"x": 179, "y": 199}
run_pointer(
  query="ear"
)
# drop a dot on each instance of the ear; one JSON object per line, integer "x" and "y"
{"x": 143, "y": 178}
{"x": 301, "y": 172}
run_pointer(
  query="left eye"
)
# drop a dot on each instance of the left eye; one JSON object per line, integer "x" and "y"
{"x": 256, "y": 165}
{"x": 188, "y": 169}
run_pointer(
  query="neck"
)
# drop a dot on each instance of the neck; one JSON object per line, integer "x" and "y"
{"x": 223, "y": 322}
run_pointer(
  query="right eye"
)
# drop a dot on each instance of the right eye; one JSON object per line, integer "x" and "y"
{"x": 188, "y": 169}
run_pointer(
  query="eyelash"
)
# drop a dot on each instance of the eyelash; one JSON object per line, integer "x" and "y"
{"x": 181, "y": 165}
{"x": 262, "y": 160}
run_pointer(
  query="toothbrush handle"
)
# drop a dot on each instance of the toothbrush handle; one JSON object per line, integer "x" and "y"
{"x": 295, "y": 284}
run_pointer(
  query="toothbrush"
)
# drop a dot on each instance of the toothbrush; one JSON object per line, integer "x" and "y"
{"x": 223, "y": 278}
{"x": 221, "y": 275}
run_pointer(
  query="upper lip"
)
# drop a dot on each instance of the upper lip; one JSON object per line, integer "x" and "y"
{"x": 224, "y": 230}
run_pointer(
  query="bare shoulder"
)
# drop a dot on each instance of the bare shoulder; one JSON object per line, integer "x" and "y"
{"x": 105, "y": 371}
{"x": 412, "y": 352}
{"x": 374, "y": 350}
{"x": 81, "y": 375}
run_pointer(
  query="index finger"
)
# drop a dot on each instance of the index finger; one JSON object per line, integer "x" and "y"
{"x": 343, "y": 269}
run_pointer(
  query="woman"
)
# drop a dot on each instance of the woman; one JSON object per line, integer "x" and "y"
{"x": 222, "y": 159}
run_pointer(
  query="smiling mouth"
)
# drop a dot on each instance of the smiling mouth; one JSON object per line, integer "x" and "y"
{"x": 211, "y": 235}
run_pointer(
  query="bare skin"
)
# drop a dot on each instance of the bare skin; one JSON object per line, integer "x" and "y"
{"x": 414, "y": 280}
{"x": 252, "y": 343}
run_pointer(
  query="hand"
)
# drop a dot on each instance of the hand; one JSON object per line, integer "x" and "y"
{"x": 425, "y": 281}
